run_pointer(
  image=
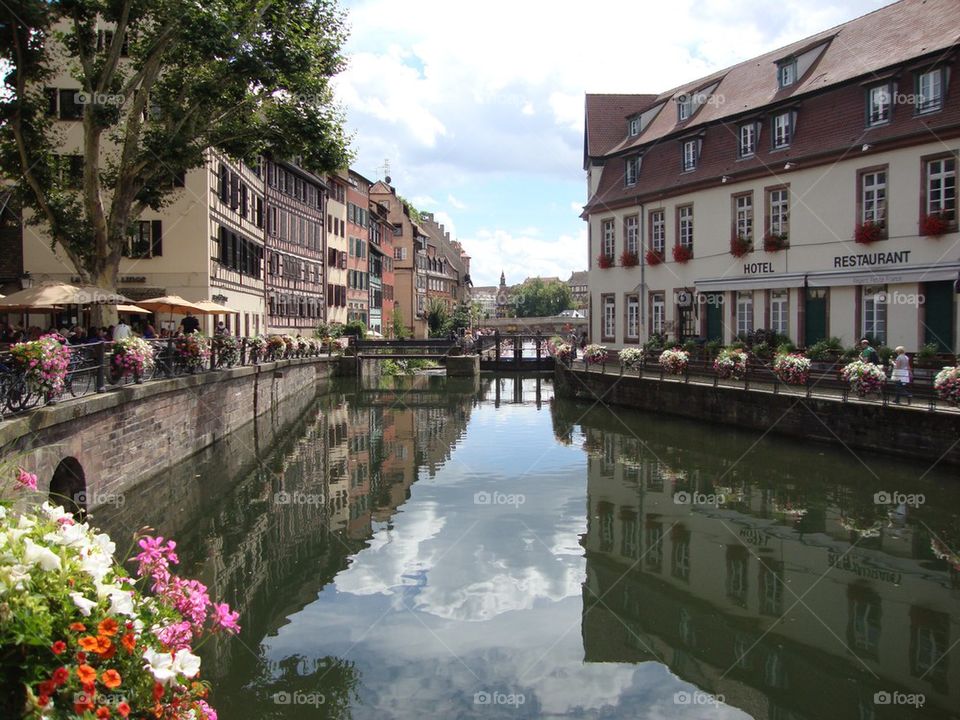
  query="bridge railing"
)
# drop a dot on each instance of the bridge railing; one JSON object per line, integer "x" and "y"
{"x": 92, "y": 368}
{"x": 503, "y": 348}
{"x": 430, "y": 347}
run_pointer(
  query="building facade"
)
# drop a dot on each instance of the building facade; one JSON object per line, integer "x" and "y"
{"x": 336, "y": 250}
{"x": 799, "y": 192}
{"x": 295, "y": 226}
{"x": 380, "y": 261}
{"x": 358, "y": 253}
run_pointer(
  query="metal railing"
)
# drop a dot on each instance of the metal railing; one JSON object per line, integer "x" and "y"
{"x": 92, "y": 369}
{"x": 823, "y": 381}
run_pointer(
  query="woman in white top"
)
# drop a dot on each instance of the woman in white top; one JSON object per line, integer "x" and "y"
{"x": 901, "y": 373}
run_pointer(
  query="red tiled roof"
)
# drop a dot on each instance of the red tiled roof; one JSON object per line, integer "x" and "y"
{"x": 606, "y": 123}
{"x": 883, "y": 38}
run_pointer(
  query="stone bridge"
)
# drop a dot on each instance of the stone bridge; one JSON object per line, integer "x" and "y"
{"x": 95, "y": 448}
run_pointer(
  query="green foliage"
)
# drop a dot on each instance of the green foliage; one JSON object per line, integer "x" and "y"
{"x": 439, "y": 321}
{"x": 355, "y": 328}
{"x": 461, "y": 317}
{"x": 928, "y": 351}
{"x": 712, "y": 347}
{"x": 691, "y": 346}
{"x": 785, "y": 348}
{"x": 885, "y": 353}
{"x": 825, "y": 349}
{"x": 400, "y": 330}
{"x": 405, "y": 367}
{"x": 414, "y": 213}
{"x": 537, "y": 298}
{"x": 657, "y": 341}
{"x": 244, "y": 79}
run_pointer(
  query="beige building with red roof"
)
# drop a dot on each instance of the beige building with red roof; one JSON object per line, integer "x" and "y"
{"x": 810, "y": 191}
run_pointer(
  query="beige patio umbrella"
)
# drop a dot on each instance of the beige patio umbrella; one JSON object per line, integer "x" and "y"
{"x": 131, "y": 309}
{"x": 211, "y": 308}
{"x": 47, "y": 297}
{"x": 171, "y": 304}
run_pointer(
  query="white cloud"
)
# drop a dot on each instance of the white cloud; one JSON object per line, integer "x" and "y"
{"x": 458, "y": 204}
{"x": 521, "y": 255}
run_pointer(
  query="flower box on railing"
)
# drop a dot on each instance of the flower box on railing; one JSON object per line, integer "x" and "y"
{"x": 774, "y": 242}
{"x": 682, "y": 254}
{"x": 654, "y": 257}
{"x": 869, "y": 232}
{"x": 629, "y": 258}
{"x": 605, "y": 261}
{"x": 740, "y": 246}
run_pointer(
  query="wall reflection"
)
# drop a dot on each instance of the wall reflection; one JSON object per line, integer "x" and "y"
{"x": 789, "y": 587}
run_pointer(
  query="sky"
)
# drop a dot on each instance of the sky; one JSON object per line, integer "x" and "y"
{"x": 479, "y": 107}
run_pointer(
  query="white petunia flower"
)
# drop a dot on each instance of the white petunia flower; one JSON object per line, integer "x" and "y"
{"x": 160, "y": 664}
{"x": 186, "y": 663}
{"x": 39, "y": 555}
{"x": 83, "y": 603}
{"x": 121, "y": 603}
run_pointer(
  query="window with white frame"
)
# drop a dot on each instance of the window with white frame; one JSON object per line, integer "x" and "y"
{"x": 873, "y": 197}
{"x": 744, "y": 313}
{"x": 942, "y": 187}
{"x": 779, "y": 307}
{"x": 633, "y": 317}
{"x": 690, "y": 152}
{"x": 748, "y": 140}
{"x": 878, "y": 104}
{"x": 782, "y": 129}
{"x": 779, "y": 204}
{"x": 685, "y": 234}
{"x": 632, "y": 169}
{"x": 631, "y": 227}
{"x": 609, "y": 238}
{"x": 787, "y": 72}
{"x": 744, "y": 216}
{"x": 658, "y": 231}
{"x": 875, "y": 313}
{"x": 684, "y": 107}
{"x": 609, "y": 316}
{"x": 930, "y": 91}
{"x": 658, "y": 313}
{"x": 634, "y": 126}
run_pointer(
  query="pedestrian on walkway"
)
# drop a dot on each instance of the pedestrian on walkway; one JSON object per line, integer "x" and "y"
{"x": 867, "y": 353}
{"x": 901, "y": 375}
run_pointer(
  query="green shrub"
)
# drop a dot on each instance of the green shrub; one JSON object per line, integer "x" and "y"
{"x": 355, "y": 328}
{"x": 713, "y": 347}
{"x": 928, "y": 351}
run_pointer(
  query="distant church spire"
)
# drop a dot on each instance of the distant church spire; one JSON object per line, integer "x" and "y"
{"x": 503, "y": 279}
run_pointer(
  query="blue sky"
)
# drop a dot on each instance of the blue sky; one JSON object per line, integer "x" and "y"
{"x": 479, "y": 106}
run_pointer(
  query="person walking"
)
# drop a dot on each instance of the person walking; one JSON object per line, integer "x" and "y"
{"x": 901, "y": 375}
{"x": 867, "y": 353}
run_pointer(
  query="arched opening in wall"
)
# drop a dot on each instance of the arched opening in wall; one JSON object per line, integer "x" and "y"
{"x": 69, "y": 486}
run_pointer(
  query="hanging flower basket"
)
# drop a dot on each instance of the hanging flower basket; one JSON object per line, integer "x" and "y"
{"x": 681, "y": 253}
{"x": 44, "y": 363}
{"x": 132, "y": 356}
{"x": 654, "y": 257}
{"x": 605, "y": 261}
{"x": 559, "y": 349}
{"x": 942, "y": 552}
{"x": 775, "y": 242}
{"x": 276, "y": 347}
{"x": 193, "y": 351}
{"x": 258, "y": 347}
{"x": 731, "y": 363}
{"x": 595, "y": 354}
{"x": 740, "y": 246}
{"x": 228, "y": 350}
{"x": 792, "y": 368}
{"x": 947, "y": 384}
{"x": 864, "y": 377}
{"x": 934, "y": 225}
{"x": 674, "y": 361}
{"x": 869, "y": 232}
{"x": 629, "y": 259}
{"x": 631, "y": 357}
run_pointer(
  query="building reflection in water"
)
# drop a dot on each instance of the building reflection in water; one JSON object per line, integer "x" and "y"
{"x": 784, "y": 586}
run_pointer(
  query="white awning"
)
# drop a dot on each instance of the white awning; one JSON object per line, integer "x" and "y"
{"x": 750, "y": 282}
{"x": 830, "y": 278}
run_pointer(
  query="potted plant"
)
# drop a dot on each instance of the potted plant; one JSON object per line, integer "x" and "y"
{"x": 559, "y": 349}
{"x": 740, "y": 246}
{"x": 628, "y": 258}
{"x": 605, "y": 261}
{"x": 654, "y": 257}
{"x": 792, "y": 368}
{"x": 631, "y": 357}
{"x": 774, "y": 242}
{"x": 947, "y": 384}
{"x": 934, "y": 225}
{"x": 731, "y": 363}
{"x": 227, "y": 348}
{"x": 674, "y": 361}
{"x": 193, "y": 350}
{"x": 869, "y": 232}
{"x": 132, "y": 356}
{"x": 595, "y": 354}
{"x": 258, "y": 348}
{"x": 44, "y": 363}
{"x": 681, "y": 253}
{"x": 863, "y": 377}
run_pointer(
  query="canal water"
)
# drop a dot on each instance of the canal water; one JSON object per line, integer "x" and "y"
{"x": 434, "y": 548}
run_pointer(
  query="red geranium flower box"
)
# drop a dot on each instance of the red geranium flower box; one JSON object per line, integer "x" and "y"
{"x": 869, "y": 232}
{"x": 934, "y": 225}
{"x": 629, "y": 259}
{"x": 740, "y": 246}
{"x": 654, "y": 258}
{"x": 681, "y": 253}
{"x": 605, "y": 261}
{"x": 774, "y": 242}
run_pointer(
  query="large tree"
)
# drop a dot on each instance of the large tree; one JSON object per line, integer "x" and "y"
{"x": 536, "y": 298}
{"x": 169, "y": 79}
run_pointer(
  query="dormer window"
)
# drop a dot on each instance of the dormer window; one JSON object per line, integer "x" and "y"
{"x": 879, "y": 100}
{"x": 782, "y": 130}
{"x": 634, "y": 126}
{"x": 632, "y": 170}
{"x": 930, "y": 91}
{"x": 691, "y": 154}
{"x": 787, "y": 72}
{"x": 684, "y": 107}
{"x": 749, "y": 133}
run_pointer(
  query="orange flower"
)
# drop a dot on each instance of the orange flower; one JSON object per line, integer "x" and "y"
{"x": 103, "y": 712}
{"x": 103, "y": 645}
{"x": 158, "y": 710}
{"x": 107, "y": 627}
{"x": 157, "y": 691}
{"x": 129, "y": 642}
{"x": 88, "y": 643}
{"x": 111, "y": 678}
{"x": 123, "y": 709}
{"x": 86, "y": 673}
{"x": 78, "y": 627}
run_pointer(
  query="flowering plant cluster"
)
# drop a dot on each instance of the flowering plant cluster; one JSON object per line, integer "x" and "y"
{"x": 942, "y": 552}
{"x": 258, "y": 346}
{"x": 132, "y": 356}
{"x": 631, "y": 357}
{"x": 276, "y": 347}
{"x": 789, "y": 509}
{"x": 227, "y": 348}
{"x": 605, "y": 261}
{"x": 731, "y": 363}
{"x": 864, "y": 377}
{"x": 193, "y": 350}
{"x": 864, "y": 527}
{"x": 947, "y": 384}
{"x": 628, "y": 258}
{"x": 868, "y": 232}
{"x": 740, "y": 245}
{"x": 559, "y": 349}
{"x": 91, "y": 643}
{"x": 774, "y": 242}
{"x": 674, "y": 361}
{"x": 934, "y": 225}
{"x": 654, "y": 257}
{"x": 594, "y": 354}
{"x": 44, "y": 363}
{"x": 792, "y": 368}
{"x": 681, "y": 253}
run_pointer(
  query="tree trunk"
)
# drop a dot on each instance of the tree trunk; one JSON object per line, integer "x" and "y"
{"x": 104, "y": 277}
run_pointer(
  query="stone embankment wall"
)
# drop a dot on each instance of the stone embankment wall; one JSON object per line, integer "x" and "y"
{"x": 906, "y": 431}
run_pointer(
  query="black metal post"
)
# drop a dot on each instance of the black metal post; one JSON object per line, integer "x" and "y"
{"x": 101, "y": 356}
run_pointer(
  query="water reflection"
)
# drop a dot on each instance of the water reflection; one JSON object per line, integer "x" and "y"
{"x": 780, "y": 579}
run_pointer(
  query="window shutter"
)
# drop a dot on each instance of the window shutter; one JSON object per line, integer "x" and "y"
{"x": 223, "y": 245}
{"x": 223, "y": 178}
{"x": 234, "y": 191}
{"x": 51, "y": 100}
{"x": 156, "y": 238}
